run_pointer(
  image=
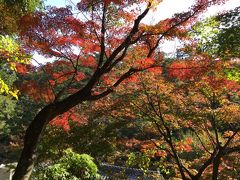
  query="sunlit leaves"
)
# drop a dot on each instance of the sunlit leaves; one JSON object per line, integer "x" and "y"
{"x": 4, "y": 88}
{"x": 233, "y": 73}
{"x": 10, "y": 51}
{"x": 49, "y": 30}
{"x": 12, "y": 57}
{"x": 205, "y": 32}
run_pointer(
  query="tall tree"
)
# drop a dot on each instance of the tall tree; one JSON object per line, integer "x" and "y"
{"x": 104, "y": 43}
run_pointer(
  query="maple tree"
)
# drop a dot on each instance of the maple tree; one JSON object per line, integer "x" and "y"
{"x": 192, "y": 120}
{"x": 204, "y": 110}
{"x": 196, "y": 95}
{"x": 93, "y": 56}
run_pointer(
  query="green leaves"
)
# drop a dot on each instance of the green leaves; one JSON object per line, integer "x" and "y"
{"x": 233, "y": 73}
{"x": 5, "y": 89}
{"x": 139, "y": 160}
{"x": 71, "y": 166}
{"x": 205, "y": 32}
{"x": 219, "y": 36}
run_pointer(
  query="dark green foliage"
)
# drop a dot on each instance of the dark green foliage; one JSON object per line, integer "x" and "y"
{"x": 228, "y": 37}
{"x": 7, "y": 111}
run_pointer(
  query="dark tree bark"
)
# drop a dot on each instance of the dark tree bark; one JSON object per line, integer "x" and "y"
{"x": 216, "y": 164}
{"x": 28, "y": 155}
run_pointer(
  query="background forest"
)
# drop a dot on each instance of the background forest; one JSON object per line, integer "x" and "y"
{"x": 110, "y": 95}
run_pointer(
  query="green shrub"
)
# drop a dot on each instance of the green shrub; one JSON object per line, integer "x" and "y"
{"x": 71, "y": 166}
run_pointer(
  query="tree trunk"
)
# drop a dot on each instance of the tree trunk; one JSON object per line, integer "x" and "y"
{"x": 216, "y": 164}
{"x": 204, "y": 166}
{"x": 32, "y": 136}
{"x": 37, "y": 126}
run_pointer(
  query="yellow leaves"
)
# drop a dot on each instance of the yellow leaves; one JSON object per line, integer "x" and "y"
{"x": 13, "y": 66}
{"x": 7, "y": 44}
{"x": 14, "y": 94}
{"x": 10, "y": 54}
{"x": 5, "y": 89}
{"x": 154, "y": 4}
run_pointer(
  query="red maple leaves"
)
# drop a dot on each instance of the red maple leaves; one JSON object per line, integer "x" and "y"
{"x": 21, "y": 68}
{"x": 63, "y": 120}
{"x": 187, "y": 70}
